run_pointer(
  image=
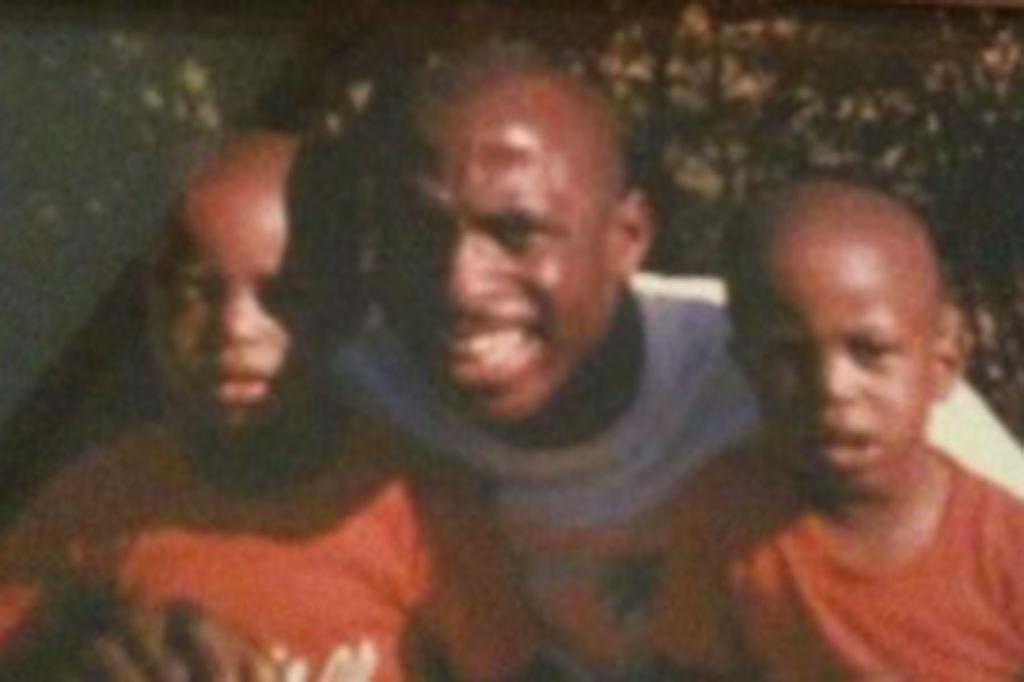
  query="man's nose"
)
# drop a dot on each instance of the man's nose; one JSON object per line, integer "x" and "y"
{"x": 476, "y": 266}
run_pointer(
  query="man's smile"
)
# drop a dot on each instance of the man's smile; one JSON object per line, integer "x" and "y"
{"x": 488, "y": 355}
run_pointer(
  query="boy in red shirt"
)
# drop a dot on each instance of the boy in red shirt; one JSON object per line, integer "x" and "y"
{"x": 838, "y": 543}
{"x": 307, "y": 534}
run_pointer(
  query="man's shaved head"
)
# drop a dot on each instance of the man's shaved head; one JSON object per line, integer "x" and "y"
{"x": 526, "y": 83}
{"x": 417, "y": 117}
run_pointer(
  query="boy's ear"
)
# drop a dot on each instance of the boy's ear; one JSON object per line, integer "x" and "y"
{"x": 952, "y": 347}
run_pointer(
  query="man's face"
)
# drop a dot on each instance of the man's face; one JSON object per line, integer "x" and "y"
{"x": 847, "y": 356}
{"x": 227, "y": 337}
{"x": 524, "y": 249}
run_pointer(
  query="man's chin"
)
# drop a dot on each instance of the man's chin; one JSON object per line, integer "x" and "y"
{"x": 504, "y": 395}
{"x": 500, "y": 408}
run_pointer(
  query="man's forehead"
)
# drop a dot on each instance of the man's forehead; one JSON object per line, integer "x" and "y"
{"x": 507, "y": 163}
{"x": 506, "y": 140}
{"x": 548, "y": 105}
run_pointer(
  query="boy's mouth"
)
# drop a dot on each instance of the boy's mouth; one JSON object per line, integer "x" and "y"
{"x": 847, "y": 449}
{"x": 242, "y": 389}
{"x": 242, "y": 392}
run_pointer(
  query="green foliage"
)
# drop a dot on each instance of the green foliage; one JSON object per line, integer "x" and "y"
{"x": 731, "y": 97}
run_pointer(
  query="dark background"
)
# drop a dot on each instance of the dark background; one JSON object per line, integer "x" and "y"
{"x": 103, "y": 105}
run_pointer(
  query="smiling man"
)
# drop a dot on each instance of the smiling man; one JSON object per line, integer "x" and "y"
{"x": 518, "y": 340}
{"x": 532, "y": 236}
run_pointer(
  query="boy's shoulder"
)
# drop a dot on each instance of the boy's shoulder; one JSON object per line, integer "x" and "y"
{"x": 983, "y": 511}
{"x": 140, "y": 464}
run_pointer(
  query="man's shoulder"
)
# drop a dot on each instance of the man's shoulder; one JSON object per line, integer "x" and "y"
{"x": 399, "y": 480}
{"x": 688, "y": 312}
{"x": 683, "y": 288}
{"x": 737, "y": 497}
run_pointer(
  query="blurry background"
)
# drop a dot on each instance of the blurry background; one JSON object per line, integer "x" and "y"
{"x": 103, "y": 108}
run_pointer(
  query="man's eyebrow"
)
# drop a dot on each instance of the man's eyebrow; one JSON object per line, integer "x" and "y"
{"x": 515, "y": 214}
{"x": 515, "y": 217}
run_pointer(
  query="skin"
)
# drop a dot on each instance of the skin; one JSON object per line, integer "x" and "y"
{"x": 533, "y": 242}
{"x": 240, "y": 327}
{"x": 92, "y": 633}
{"x": 245, "y": 320}
{"x": 849, "y": 355}
{"x": 244, "y": 311}
{"x": 227, "y": 347}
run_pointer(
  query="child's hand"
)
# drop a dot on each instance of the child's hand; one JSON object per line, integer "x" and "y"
{"x": 173, "y": 643}
{"x": 349, "y": 663}
{"x": 96, "y": 634}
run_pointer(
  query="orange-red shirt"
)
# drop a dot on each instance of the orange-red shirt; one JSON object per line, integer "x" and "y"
{"x": 362, "y": 553}
{"x": 754, "y": 584}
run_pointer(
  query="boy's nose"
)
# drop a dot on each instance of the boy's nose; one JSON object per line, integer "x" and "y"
{"x": 241, "y": 318}
{"x": 837, "y": 378}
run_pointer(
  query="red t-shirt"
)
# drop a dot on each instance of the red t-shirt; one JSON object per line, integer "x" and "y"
{"x": 362, "y": 553}
{"x": 754, "y": 584}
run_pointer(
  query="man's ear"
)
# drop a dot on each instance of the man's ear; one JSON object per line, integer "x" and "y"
{"x": 952, "y": 347}
{"x": 632, "y": 233}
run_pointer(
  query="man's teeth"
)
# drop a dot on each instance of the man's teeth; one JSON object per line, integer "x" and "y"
{"x": 491, "y": 343}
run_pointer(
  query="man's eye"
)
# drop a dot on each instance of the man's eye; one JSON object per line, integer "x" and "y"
{"x": 514, "y": 232}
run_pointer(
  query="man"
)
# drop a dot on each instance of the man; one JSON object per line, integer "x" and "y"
{"x": 519, "y": 341}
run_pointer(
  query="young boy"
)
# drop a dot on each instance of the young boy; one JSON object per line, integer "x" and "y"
{"x": 257, "y": 501}
{"x": 838, "y": 543}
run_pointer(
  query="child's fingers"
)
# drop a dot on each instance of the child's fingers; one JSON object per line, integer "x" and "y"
{"x": 214, "y": 652}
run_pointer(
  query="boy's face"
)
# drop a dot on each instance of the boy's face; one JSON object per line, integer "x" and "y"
{"x": 847, "y": 354}
{"x": 229, "y": 324}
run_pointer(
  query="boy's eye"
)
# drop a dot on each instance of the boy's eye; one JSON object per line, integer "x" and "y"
{"x": 869, "y": 352}
{"x": 200, "y": 287}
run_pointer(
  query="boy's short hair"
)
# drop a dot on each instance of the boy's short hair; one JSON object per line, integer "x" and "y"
{"x": 326, "y": 236}
{"x": 761, "y": 222}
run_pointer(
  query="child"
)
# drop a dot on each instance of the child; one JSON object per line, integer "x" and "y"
{"x": 257, "y": 499}
{"x": 847, "y": 546}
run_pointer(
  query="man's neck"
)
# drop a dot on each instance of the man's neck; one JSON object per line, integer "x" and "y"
{"x": 601, "y": 390}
